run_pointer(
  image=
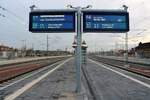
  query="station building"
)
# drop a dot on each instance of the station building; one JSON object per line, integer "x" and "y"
{"x": 143, "y": 50}
{"x": 8, "y": 52}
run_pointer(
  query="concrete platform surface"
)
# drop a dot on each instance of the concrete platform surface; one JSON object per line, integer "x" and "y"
{"x": 59, "y": 85}
{"x": 111, "y": 84}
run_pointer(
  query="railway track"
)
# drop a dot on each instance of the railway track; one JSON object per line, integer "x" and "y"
{"x": 141, "y": 69}
{"x": 11, "y": 71}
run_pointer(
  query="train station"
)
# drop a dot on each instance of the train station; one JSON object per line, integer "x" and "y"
{"x": 76, "y": 50}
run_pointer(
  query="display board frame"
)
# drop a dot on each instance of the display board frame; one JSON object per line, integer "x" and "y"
{"x": 105, "y": 12}
{"x": 52, "y": 12}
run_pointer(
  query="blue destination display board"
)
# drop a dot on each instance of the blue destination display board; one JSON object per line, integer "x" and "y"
{"x": 105, "y": 21}
{"x": 50, "y": 21}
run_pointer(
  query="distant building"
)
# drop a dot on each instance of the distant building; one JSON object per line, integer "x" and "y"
{"x": 7, "y": 52}
{"x": 131, "y": 52}
{"x": 143, "y": 50}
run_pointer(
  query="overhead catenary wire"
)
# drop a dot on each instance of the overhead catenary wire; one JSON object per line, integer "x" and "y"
{"x": 2, "y": 15}
{"x": 12, "y": 13}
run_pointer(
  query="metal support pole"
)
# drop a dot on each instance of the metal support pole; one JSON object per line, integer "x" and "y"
{"x": 79, "y": 54}
{"x": 78, "y": 50}
{"x": 126, "y": 47}
{"x": 47, "y": 45}
{"x": 126, "y": 40}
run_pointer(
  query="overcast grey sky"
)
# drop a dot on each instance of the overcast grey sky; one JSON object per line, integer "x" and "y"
{"x": 14, "y": 27}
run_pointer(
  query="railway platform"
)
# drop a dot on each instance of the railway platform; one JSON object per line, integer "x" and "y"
{"x": 131, "y": 59}
{"x": 110, "y": 83}
{"x": 58, "y": 84}
{"x": 98, "y": 82}
{"x": 27, "y": 59}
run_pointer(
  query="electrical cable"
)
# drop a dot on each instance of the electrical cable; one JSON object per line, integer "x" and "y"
{"x": 16, "y": 16}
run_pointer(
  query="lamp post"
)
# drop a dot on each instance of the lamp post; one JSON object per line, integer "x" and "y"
{"x": 126, "y": 40}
